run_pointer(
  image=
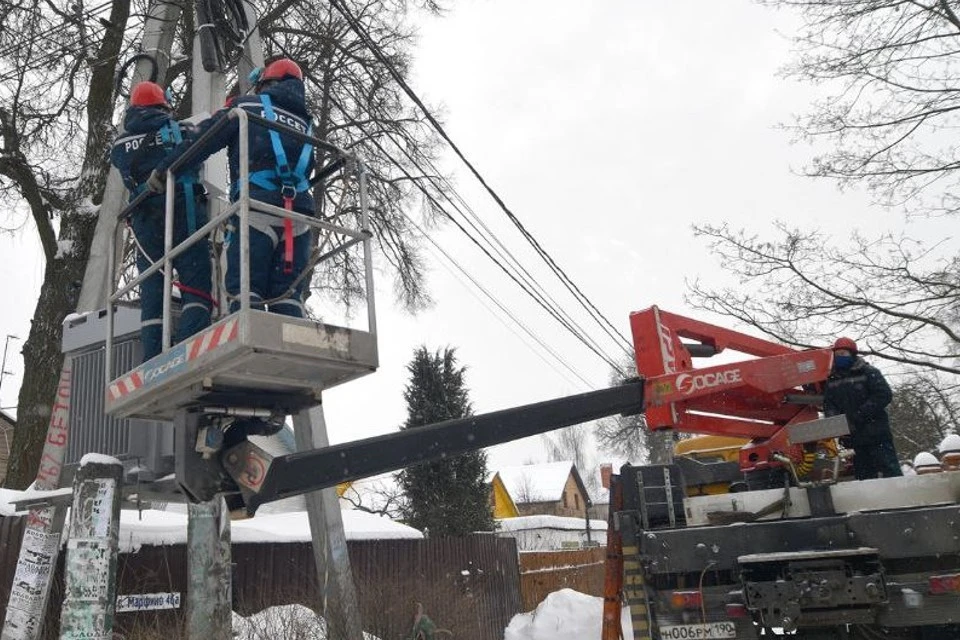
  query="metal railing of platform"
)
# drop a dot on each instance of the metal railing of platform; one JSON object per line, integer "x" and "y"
{"x": 340, "y": 160}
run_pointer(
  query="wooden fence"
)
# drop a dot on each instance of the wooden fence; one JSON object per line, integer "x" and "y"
{"x": 543, "y": 572}
{"x": 470, "y": 586}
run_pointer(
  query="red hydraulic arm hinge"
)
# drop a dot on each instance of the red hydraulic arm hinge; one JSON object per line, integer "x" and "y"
{"x": 754, "y": 398}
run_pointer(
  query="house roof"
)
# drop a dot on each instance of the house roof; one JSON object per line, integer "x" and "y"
{"x": 543, "y": 482}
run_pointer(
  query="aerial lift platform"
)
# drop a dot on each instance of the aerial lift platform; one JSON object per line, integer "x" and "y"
{"x": 250, "y": 358}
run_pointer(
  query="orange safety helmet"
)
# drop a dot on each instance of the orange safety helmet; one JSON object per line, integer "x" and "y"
{"x": 148, "y": 94}
{"x": 845, "y": 343}
{"x": 280, "y": 69}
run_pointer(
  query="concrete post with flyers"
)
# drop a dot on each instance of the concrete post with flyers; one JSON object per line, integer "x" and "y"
{"x": 91, "y": 564}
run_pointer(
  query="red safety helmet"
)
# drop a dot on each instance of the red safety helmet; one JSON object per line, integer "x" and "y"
{"x": 148, "y": 94}
{"x": 845, "y": 343}
{"x": 280, "y": 69}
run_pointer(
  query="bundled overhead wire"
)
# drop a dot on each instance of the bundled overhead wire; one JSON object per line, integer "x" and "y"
{"x": 568, "y": 283}
{"x": 522, "y": 278}
{"x": 222, "y": 27}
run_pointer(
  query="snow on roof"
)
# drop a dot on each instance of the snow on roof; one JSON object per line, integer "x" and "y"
{"x": 154, "y": 527}
{"x": 525, "y": 523}
{"x": 542, "y": 482}
{"x": 163, "y": 527}
{"x": 8, "y": 496}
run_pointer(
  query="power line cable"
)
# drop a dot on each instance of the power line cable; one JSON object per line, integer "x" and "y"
{"x": 553, "y": 312}
{"x": 502, "y": 308}
{"x": 29, "y": 39}
{"x": 604, "y": 322}
{"x": 456, "y": 264}
{"x": 607, "y": 359}
{"x": 539, "y": 293}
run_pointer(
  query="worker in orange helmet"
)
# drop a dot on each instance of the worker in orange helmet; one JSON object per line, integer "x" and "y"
{"x": 860, "y": 392}
{"x": 150, "y": 134}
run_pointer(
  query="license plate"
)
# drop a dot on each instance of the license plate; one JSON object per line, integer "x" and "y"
{"x": 707, "y": 631}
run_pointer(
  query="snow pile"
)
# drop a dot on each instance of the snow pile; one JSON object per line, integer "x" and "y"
{"x": 282, "y": 623}
{"x": 565, "y": 615}
{"x": 98, "y": 458}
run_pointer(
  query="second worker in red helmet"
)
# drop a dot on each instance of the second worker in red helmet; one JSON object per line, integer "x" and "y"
{"x": 861, "y": 393}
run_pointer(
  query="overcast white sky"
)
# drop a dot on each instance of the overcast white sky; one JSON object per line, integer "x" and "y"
{"x": 609, "y": 128}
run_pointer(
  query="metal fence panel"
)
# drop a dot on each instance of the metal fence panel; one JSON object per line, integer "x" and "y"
{"x": 543, "y": 572}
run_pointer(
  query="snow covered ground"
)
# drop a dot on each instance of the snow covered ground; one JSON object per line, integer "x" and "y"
{"x": 282, "y": 623}
{"x": 564, "y": 615}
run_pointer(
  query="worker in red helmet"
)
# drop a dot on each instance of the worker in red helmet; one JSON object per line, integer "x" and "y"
{"x": 860, "y": 392}
{"x": 150, "y": 134}
{"x": 280, "y": 166}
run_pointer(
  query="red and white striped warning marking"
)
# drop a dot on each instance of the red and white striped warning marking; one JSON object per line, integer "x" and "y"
{"x": 213, "y": 338}
{"x": 199, "y": 345}
{"x": 122, "y": 386}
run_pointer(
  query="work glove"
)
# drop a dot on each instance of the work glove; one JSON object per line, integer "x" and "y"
{"x": 157, "y": 182}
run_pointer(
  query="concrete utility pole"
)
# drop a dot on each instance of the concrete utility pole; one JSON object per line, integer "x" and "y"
{"x": 40, "y": 547}
{"x": 209, "y": 593}
{"x": 340, "y": 607}
{"x": 158, "y": 34}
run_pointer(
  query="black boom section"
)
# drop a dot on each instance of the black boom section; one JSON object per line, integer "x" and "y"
{"x": 312, "y": 470}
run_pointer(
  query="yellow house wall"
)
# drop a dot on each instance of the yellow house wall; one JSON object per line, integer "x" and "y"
{"x": 503, "y": 505}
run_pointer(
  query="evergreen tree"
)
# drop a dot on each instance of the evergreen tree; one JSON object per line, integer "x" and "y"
{"x": 448, "y": 497}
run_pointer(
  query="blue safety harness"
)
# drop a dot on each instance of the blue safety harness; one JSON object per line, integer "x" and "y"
{"x": 289, "y": 182}
{"x": 171, "y": 136}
